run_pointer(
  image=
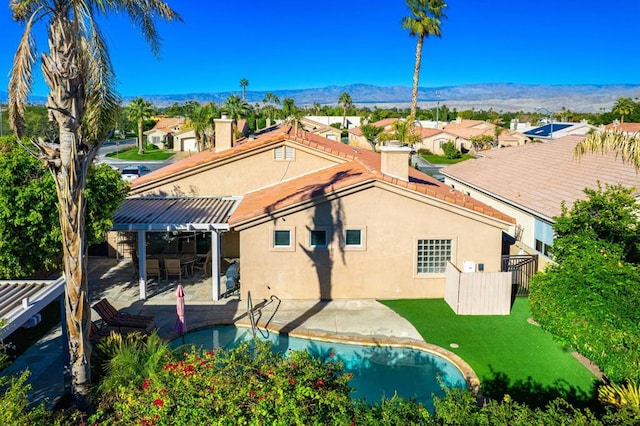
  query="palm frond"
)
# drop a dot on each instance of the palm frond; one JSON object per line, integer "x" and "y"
{"x": 622, "y": 144}
{"x": 21, "y": 77}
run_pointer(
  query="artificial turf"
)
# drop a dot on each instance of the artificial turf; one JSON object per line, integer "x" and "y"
{"x": 509, "y": 354}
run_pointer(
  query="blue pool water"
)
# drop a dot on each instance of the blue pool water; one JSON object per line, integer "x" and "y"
{"x": 377, "y": 370}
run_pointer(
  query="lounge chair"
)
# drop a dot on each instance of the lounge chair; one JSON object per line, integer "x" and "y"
{"x": 96, "y": 333}
{"x": 112, "y": 317}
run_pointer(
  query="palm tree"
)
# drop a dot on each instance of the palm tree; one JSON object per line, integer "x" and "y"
{"x": 236, "y": 108}
{"x": 624, "y": 106}
{"x": 270, "y": 97}
{"x": 623, "y": 144}
{"x": 346, "y": 102}
{"x": 201, "y": 121}
{"x": 426, "y": 17}
{"x": 244, "y": 83}
{"x": 138, "y": 111}
{"x": 83, "y": 102}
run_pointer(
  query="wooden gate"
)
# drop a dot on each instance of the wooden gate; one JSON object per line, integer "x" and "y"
{"x": 522, "y": 268}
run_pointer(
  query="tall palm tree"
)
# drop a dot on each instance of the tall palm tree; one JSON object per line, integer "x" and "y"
{"x": 426, "y": 17}
{"x": 83, "y": 102}
{"x": 624, "y": 106}
{"x": 244, "y": 83}
{"x": 138, "y": 111}
{"x": 346, "y": 102}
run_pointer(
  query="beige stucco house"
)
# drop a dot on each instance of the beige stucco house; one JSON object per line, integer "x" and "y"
{"x": 162, "y": 133}
{"x": 311, "y": 218}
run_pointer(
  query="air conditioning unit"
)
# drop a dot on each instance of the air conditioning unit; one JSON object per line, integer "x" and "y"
{"x": 469, "y": 266}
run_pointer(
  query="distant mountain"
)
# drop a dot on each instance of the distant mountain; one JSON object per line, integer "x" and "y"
{"x": 498, "y": 96}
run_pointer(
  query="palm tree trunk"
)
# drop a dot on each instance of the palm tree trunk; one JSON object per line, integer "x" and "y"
{"x": 70, "y": 179}
{"x": 344, "y": 115}
{"x": 140, "y": 146}
{"x": 62, "y": 70}
{"x": 416, "y": 77}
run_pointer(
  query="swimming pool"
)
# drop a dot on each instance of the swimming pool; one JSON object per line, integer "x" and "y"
{"x": 377, "y": 370}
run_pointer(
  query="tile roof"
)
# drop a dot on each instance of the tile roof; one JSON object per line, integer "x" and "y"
{"x": 539, "y": 176}
{"x": 357, "y": 165}
{"x": 427, "y": 132}
{"x": 470, "y": 128}
{"x": 167, "y": 124}
{"x": 624, "y": 127}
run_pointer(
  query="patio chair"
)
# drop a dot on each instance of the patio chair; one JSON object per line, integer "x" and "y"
{"x": 174, "y": 268}
{"x": 203, "y": 264}
{"x": 96, "y": 333}
{"x": 113, "y": 317}
{"x": 153, "y": 268}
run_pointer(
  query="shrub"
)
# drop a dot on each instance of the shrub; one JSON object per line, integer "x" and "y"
{"x": 13, "y": 403}
{"x": 625, "y": 396}
{"x": 450, "y": 150}
{"x": 424, "y": 151}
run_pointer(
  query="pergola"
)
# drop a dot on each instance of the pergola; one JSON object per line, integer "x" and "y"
{"x": 176, "y": 214}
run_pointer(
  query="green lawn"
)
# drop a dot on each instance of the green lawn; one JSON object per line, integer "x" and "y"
{"x": 441, "y": 159}
{"x": 131, "y": 154}
{"x": 508, "y": 354}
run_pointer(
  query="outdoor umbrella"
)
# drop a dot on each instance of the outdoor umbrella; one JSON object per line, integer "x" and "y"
{"x": 181, "y": 325}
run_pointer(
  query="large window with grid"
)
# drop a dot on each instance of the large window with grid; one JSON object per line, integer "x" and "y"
{"x": 433, "y": 256}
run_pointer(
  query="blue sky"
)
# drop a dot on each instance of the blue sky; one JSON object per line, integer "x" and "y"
{"x": 286, "y": 44}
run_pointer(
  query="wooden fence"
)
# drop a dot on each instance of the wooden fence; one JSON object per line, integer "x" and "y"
{"x": 478, "y": 293}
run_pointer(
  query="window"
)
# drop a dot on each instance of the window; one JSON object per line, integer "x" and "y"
{"x": 281, "y": 238}
{"x": 433, "y": 256}
{"x": 543, "y": 236}
{"x": 353, "y": 238}
{"x": 318, "y": 238}
{"x": 284, "y": 152}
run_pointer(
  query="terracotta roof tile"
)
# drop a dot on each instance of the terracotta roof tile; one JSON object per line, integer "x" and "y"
{"x": 539, "y": 176}
{"x": 359, "y": 165}
{"x": 624, "y": 127}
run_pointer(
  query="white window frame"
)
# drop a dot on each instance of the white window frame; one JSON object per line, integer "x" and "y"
{"x": 324, "y": 229}
{"x": 292, "y": 238}
{"x": 435, "y": 263}
{"x": 363, "y": 239}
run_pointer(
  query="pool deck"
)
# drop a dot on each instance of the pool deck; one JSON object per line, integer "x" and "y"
{"x": 363, "y": 321}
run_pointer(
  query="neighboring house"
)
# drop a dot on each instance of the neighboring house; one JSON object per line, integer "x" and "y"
{"x": 351, "y": 121}
{"x": 531, "y": 182}
{"x": 320, "y": 129}
{"x": 162, "y": 133}
{"x": 464, "y": 130}
{"x": 357, "y": 139}
{"x": 310, "y": 218}
{"x": 185, "y": 140}
{"x": 627, "y": 128}
{"x": 556, "y": 130}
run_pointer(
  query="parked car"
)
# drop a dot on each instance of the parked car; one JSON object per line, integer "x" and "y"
{"x": 130, "y": 173}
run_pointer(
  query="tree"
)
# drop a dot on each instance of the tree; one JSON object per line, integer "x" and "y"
{"x": 426, "y": 17}
{"x": 624, "y": 106}
{"x": 479, "y": 142}
{"x": 201, "y": 121}
{"x": 623, "y": 144}
{"x": 316, "y": 108}
{"x": 371, "y": 132}
{"x": 244, "y": 83}
{"x": 138, "y": 111}
{"x": 268, "y": 98}
{"x": 82, "y": 102}
{"x": 288, "y": 107}
{"x": 346, "y": 102}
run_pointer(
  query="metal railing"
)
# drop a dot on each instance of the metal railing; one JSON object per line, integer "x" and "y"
{"x": 251, "y": 314}
{"x": 522, "y": 268}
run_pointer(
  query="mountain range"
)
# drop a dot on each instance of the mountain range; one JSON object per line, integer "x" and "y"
{"x": 507, "y": 97}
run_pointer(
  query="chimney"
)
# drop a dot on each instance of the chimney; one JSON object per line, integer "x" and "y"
{"x": 395, "y": 161}
{"x": 224, "y": 133}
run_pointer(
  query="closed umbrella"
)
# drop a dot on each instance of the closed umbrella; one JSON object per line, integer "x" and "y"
{"x": 181, "y": 324}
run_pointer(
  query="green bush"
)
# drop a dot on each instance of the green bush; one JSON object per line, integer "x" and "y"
{"x": 13, "y": 403}
{"x": 450, "y": 150}
{"x": 589, "y": 301}
{"x": 424, "y": 151}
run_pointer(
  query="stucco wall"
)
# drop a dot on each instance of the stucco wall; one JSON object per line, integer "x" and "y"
{"x": 243, "y": 175}
{"x": 384, "y": 268}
